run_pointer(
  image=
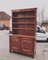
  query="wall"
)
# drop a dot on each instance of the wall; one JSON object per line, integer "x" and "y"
{"x": 5, "y": 22}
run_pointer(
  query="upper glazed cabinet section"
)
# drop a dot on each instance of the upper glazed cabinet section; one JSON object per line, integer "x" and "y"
{"x": 24, "y": 12}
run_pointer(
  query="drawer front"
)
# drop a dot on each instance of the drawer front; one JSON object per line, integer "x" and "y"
{"x": 27, "y": 46}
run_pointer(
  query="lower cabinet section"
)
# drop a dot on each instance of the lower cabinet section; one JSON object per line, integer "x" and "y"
{"x": 22, "y": 45}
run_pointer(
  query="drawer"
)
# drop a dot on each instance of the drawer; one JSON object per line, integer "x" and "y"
{"x": 28, "y": 38}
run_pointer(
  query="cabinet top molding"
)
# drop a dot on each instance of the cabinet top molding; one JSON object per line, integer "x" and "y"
{"x": 23, "y": 10}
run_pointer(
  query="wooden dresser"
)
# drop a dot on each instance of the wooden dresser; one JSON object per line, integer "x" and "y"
{"x": 22, "y": 40}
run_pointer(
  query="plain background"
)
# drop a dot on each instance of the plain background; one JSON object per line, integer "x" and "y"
{"x": 8, "y": 5}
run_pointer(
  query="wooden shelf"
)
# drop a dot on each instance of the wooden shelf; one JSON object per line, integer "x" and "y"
{"x": 19, "y": 35}
{"x": 25, "y": 17}
{"x": 23, "y": 23}
{"x": 23, "y": 28}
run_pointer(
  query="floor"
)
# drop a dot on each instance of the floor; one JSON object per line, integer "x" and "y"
{"x": 6, "y": 55}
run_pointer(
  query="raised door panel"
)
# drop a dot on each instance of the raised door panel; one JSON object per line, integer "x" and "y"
{"x": 15, "y": 44}
{"x": 27, "y": 46}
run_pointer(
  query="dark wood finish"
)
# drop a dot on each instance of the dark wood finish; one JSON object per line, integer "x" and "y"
{"x": 15, "y": 43}
{"x": 22, "y": 39}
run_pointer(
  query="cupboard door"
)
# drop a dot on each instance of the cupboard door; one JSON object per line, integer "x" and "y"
{"x": 27, "y": 46}
{"x": 15, "y": 44}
